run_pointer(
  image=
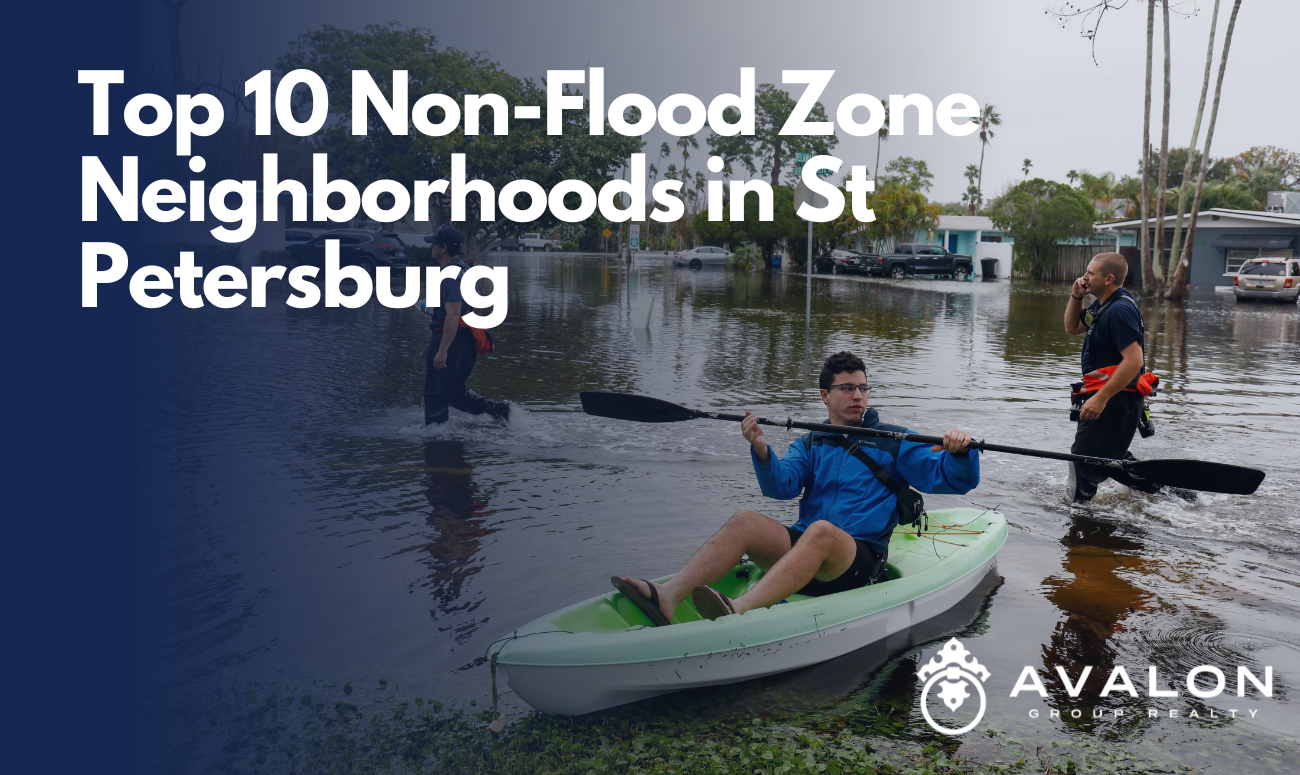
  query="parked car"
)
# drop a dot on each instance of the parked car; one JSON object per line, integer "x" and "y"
{"x": 838, "y": 259}
{"x": 537, "y": 242}
{"x": 358, "y": 247}
{"x": 700, "y": 257}
{"x": 297, "y": 236}
{"x": 918, "y": 258}
{"x": 1277, "y": 279}
{"x": 506, "y": 243}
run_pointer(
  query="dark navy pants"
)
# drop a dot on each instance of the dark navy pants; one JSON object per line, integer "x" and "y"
{"x": 445, "y": 387}
{"x": 1108, "y": 436}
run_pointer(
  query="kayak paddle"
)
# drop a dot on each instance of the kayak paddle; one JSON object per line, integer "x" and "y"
{"x": 1186, "y": 474}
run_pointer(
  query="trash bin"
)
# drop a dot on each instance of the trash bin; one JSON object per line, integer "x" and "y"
{"x": 989, "y": 268}
{"x": 776, "y": 260}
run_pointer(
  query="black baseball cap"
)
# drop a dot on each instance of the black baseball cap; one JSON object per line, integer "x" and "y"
{"x": 448, "y": 236}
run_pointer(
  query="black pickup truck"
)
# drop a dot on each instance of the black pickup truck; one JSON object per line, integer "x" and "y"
{"x": 918, "y": 258}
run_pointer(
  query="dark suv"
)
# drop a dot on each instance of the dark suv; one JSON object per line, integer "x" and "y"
{"x": 357, "y": 247}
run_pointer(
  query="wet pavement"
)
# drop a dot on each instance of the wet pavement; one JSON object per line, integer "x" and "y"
{"x": 301, "y": 523}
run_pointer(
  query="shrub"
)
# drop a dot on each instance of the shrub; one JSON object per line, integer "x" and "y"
{"x": 743, "y": 259}
{"x": 569, "y": 246}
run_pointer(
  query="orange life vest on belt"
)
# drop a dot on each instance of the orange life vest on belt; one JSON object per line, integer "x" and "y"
{"x": 482, "y": 340}
{"x": 1144, "y": 383}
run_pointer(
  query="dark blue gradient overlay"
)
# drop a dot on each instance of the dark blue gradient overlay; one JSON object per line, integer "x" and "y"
{"x": 71, "y": 590}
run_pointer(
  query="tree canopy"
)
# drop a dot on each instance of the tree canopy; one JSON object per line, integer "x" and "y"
{"x": 1038, "y": 214}
{"x": 784, "y": 226}
{"x": 767, "y": 150}
{"x": 908, "y": 172}
{"x": 528, "y": 152}
{"x": 1219, "y": 169}
{"x": 900, "y": 212}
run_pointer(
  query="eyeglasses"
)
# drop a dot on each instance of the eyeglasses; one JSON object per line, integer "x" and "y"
{"x": 849, "y": 388}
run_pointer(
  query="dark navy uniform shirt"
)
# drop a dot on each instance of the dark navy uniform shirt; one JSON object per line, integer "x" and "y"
{"x": 1119, "y": 326}
{"x": 449, "y": 291}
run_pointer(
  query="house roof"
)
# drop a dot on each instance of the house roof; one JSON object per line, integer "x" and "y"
{"x": 966, "y": 223}
{"x": 1228, "y": 218}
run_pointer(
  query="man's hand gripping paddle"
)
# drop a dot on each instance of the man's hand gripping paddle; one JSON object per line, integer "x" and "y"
{"x": 1188, "y": 474}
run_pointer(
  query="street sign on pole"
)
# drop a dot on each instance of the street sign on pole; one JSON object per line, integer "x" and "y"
{"x": 634, "y": 236}
{"x": 800, "y": 158}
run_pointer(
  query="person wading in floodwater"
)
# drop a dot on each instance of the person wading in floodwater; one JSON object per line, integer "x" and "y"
{"x": 454, "y": 346}
{"x": 855, "y": 489}
{"x": 1111, "y": 399}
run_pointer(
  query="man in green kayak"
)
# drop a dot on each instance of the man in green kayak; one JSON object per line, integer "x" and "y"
{"x": 851, "y": 487}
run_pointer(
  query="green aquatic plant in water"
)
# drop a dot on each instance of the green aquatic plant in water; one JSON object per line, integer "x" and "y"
{"x": 333, "y": 730}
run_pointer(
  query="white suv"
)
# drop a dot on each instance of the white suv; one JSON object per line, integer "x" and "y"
{"x": 537, "y": 242}
{"x": 1268, "y": 278}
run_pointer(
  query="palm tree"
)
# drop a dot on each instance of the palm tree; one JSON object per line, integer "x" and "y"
{"x": 1148, "y": 266}
{"x": 686, "y": 144}
{"x": 1191, "y": 147}
{"x": 1163, "y": 182}
{"x": 1129, "y": 189}
{"x": 988, "y": 119}
{"x": 881, "y": 135}
{"x": 1101, "y": 190}
{"x": 1180, "y": 274}
{"x": 1072, "y": 176}
{"x": 972, "y": 192}
{"x": 1025, "y": 166}
{"x": 664, "y": 151}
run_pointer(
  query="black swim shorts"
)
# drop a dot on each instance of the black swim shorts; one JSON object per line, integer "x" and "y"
{"x": 868, "y": 568}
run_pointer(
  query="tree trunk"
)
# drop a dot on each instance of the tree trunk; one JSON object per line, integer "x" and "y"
{"x": 1163, "y": 182}
{"x": 878, "y": 139}
{"x": 1180, "y": 276}
{"x": 1148, "y": 272}
{"x": 776, "y": 164}
{"x": 174, "y": 42}
{"x": 979, "y": 187}
{"x": 1175, "y": 251}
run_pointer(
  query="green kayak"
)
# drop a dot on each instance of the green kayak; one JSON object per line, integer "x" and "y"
{"x": 604, "y": 652}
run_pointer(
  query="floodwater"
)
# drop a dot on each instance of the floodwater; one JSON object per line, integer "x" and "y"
{"x": 302, "y": 524}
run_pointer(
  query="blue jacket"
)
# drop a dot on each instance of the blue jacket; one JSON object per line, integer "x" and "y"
{"x": 841, "y": 489}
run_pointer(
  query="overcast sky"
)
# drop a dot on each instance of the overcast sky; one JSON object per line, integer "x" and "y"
{"x": 1057, "y": 107}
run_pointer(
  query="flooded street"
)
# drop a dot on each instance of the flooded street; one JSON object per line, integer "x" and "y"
{"x": 302, "y": 524}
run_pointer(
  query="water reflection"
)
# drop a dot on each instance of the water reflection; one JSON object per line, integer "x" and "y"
{"x": 1095, "y": 595}
{"x": 458, "y": 514}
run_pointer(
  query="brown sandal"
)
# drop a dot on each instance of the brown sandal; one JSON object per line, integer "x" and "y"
{"x": 711, "y": 603}
{"x": 648, "y": 605}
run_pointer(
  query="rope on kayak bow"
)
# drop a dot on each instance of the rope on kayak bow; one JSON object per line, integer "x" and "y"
{"x": 500, "y": 718}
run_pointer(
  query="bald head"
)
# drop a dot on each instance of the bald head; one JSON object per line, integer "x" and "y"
{"x": 1104, "y": 264}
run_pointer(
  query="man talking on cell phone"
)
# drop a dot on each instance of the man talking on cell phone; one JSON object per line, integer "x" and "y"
{"x": 1111, "y": 399}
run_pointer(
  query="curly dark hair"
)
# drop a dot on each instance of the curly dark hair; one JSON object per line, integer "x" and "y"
{"x": 842, "y": 361}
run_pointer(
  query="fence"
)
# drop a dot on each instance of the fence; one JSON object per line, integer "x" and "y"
{"x": 1072, "y": 261}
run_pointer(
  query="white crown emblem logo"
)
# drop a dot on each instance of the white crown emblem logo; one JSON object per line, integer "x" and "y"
{"x": 955, "y": 669}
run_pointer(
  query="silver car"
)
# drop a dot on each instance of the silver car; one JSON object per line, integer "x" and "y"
{"x": 698, "y": 258}
{"x": 1277, "y": 279}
